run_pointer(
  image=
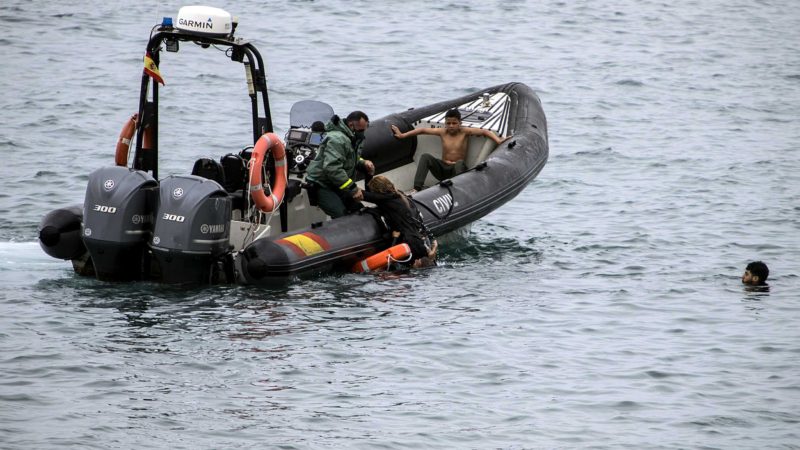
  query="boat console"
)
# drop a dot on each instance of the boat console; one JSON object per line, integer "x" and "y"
{"x": 302, "y": 145}
{"x": 307, "y": 120}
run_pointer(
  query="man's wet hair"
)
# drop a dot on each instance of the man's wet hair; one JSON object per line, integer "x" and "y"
{"x": 758, "y": 269}
{"x": 355, "y": 116}
{"x": 453, "y": 113}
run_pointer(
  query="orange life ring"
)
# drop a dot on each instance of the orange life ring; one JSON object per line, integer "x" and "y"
{"x": 266, "y": 143}
{"x": 126, "y": 137}
{"x": 124, "y": 141}
{"x": 381, "y": 261}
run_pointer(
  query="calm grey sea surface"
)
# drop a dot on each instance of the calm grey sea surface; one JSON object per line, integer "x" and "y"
{"x": 601, "y": 308}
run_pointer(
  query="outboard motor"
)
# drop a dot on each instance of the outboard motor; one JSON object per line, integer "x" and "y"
{"x": 191, "y": 236}
{"x": 117, "y": 219}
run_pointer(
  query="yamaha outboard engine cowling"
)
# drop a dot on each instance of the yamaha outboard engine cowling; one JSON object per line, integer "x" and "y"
{"x": 117, "y": 219}
{"x": 191, "y": 237}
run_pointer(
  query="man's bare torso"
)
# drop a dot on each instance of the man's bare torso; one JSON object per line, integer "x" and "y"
{"x": 454, "y": 146}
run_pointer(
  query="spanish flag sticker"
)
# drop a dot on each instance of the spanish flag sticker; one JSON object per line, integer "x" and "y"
{"x": 305, "y": 244}
{"x": 151, "y": 69}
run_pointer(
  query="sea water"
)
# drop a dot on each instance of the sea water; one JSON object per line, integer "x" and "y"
{"x": 601, "y": 308}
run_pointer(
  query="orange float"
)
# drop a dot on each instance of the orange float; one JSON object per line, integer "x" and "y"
{"x": 269, "y": 142}
{"x": 381, "y": 261}
{"x": 125, "y": 139}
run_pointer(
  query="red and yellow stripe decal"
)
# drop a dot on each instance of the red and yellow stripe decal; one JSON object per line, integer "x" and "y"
{"x": 305, "y": 244}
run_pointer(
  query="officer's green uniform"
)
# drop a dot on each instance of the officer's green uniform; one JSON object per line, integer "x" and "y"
{"x": 334, "y": 169}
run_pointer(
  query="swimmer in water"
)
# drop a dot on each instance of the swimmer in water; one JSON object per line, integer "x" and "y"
{"x": 755, "y": 274}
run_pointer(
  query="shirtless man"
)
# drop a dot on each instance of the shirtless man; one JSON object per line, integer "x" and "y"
{"x": 454, "y": 148}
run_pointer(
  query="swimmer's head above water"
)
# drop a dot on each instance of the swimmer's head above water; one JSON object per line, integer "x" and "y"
{"x": 755, "y": 274}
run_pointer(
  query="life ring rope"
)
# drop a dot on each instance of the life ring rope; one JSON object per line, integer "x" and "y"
{"x": 390, "y": 259}
{"x": 268, "y": 143}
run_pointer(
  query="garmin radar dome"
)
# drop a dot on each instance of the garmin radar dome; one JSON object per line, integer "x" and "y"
{"x": 204, "y": 20}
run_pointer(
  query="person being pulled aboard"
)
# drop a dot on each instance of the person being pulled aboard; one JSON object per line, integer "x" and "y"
{"x": 403, "y": 219}
{"x": 454, "y": 148}
{"x": 331, "y": 173}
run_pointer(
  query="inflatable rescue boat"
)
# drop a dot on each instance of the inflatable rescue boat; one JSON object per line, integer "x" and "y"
{"x": 245, "y": 217}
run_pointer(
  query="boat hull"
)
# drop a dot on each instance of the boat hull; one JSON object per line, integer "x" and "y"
{"x": 446, "y": 207}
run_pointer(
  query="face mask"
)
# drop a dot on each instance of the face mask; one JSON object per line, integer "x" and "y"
{"x": 358, "y": 137}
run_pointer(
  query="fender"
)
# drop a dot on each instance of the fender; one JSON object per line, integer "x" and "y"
{"x": 269, "y": 142}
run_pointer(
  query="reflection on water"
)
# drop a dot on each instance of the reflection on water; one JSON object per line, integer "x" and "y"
{"x": 757, "y": 290}
{"x": 755, "y": 297}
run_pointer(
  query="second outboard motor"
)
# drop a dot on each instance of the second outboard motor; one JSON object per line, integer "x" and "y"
{"x": 191, "y": 236}
{"x": 117, "y": 216}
